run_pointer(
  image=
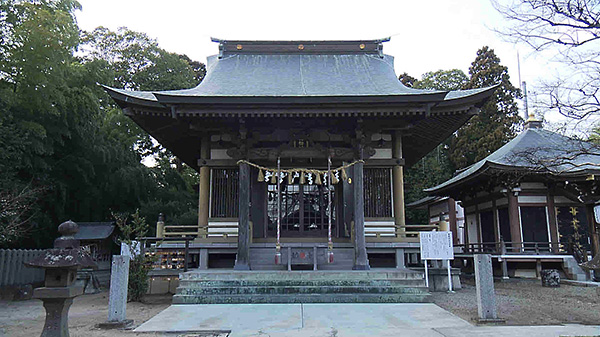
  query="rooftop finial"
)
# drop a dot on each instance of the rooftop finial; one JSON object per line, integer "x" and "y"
{"x": 532, "y": 122}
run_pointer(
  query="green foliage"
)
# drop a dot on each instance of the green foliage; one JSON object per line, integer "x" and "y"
{"x": 176, "y": 197}
{"x": 130, "y": 230}
{"x": 407, "y": 80}
{"x": 140, "y": 265}
{"x": 435, "y": 167}
{"x": 137, "y": 287}
{"x": 60, "y": 133}
{"x": 138, "y": 62}
{"x": 483, "y": 134}
{"x": 498, "y": 121}
{"x": 432, "y": 170}
{"x": 453, "y": 79}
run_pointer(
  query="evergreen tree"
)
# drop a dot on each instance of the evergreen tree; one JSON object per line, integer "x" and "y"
{"x": 66, "y": 150}
{"x": 435, "y": 167}
{"x": 453, "y": 79}
{"x": 498, "y": 120}
{"x": 407, "y": 80}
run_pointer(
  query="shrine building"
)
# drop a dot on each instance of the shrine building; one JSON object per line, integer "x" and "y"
{"x": 301, "y": 147}
{"x": 530, "y": 204}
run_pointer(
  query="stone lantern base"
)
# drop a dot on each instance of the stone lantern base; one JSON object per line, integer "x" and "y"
{"x": 57, "y": 301}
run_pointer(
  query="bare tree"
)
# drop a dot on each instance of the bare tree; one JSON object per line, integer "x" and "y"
{"x": 572, "y": 27}
{"x": 17, "y": 208}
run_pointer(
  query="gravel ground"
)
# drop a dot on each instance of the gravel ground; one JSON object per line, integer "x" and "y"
{"x": 526, "y": 302}
{"x": 520, "y": 302}
{"x": 26, "y": 318}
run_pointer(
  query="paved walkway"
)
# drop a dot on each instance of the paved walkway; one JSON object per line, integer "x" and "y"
{"x": 338, "y": 320}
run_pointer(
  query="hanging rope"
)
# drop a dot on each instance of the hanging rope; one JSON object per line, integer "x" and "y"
{"x": 329, "y": 241}
{"x": 312, "y": 175}
{"x": 278, "y": 245}
{"x": 304, "y": 174}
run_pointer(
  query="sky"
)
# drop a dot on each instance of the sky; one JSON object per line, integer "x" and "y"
{"x": 426, "y": 35}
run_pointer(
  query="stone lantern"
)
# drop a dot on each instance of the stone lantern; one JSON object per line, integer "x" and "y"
{"x": 61, "y": 264}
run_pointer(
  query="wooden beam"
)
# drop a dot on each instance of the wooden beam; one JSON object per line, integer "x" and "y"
{"x": 398, "y": 182}
{"x": 495, "y": 221}
{"x": 553, "y": 223}
{"x": 204, "y": 188}
{"x": 514, "y": 219}
{"x": 217, "y": 162}
{"x": 589, "y": 210}
{"x": 452, "y": 219}
{"x": 385, "y": 162}
{"x": 242, "y": 259}
{"x": 361, "y": 262}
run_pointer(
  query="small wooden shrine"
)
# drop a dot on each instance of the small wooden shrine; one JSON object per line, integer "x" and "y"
{"x": 535, "y": 195}
{"x": 301, "y": 147}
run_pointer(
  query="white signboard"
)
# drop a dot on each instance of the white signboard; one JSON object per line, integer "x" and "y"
{"x": 436, "y": 246}
{"x": 597, "y": 213}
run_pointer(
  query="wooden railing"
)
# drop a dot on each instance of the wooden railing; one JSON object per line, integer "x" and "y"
{"x": 503, "y": 248}
{"x": 178, "y": 231}
{"x": 414, "y": 230}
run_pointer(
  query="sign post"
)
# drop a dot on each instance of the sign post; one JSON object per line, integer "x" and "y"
{"x": 437, "y": 246}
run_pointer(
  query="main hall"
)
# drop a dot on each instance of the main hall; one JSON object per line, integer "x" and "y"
{"x": 301, "y": 147}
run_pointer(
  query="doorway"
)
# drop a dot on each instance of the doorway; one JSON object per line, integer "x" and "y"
{"x": 304, "y": 210}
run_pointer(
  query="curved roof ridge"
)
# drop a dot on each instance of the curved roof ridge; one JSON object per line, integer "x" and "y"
{"x": 537, "y": 144}
{"x": 350, "y": 71}
{"x": 491, "y": 158}
{"x": 318, "y": 79}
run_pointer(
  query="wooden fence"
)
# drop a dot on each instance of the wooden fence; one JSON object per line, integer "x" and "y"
{"x": 14, "y": 272}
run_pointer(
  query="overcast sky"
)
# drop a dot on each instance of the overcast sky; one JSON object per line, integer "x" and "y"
{"x": 426, "y": 35}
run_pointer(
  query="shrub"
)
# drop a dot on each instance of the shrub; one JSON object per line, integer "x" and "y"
{"x": 140, "y": 265}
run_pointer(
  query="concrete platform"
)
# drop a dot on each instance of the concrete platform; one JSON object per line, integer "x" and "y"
{"x": 418, "y": 319}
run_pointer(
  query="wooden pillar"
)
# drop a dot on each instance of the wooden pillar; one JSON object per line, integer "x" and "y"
{"x": 496, "y": 222}
{"x": 203, "y": 188}
{"x": 361, "y": 262}
{"x": 466, "y": 231}
{"x": 398, "y": 190}
{"x": 478, "y": 227}
{"x": 242, "y": 259}
{"x": 553, "y": 223}
{"x": 589, "y": 210}
{"x": 514, "y": 219}
{"x": 452, "y": 220}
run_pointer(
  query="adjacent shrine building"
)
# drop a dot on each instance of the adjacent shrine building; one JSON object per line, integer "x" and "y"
{"x": 532, "y": 198}
{"x": 301, "y": 147}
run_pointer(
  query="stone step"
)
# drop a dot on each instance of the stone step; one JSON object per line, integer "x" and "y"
{"x": 283, "y": 290}
{"x": 294, "y": 283}
{"x": 301, "y": 298}
{"x": 348, "y": 286}
{"x": 301, "y": 275}
{"x": 572, "y": 269}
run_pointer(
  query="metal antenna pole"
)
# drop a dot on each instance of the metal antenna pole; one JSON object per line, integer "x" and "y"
{"x": 525, "y": 100}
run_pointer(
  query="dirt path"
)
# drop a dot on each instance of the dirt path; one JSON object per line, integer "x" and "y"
{"x": 26, "y": 318}
{"x": 526, "y": 302}
{"x": 520, "y": 302}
